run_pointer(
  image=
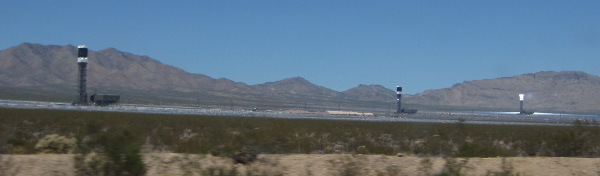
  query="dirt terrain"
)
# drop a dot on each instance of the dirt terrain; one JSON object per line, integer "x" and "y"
{"x": 315, "y": 164}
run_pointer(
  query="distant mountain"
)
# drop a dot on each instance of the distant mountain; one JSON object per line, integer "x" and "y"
{"x": 54, "y": 67}
{"x": 549, "y": 91}
{"x": 49, "y": 72}
{"x": 370, "y": 93}
{"x": 39, "y": 65}
{"x": 295, "y": 86}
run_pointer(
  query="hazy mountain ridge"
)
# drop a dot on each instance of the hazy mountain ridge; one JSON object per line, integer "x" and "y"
{"x": 370, "y": 92}
{"x": 53, "y": 69}
{"x": 51, "y": 65}
{"x": 549, "y": 91}
{"x": 295, "y": 86}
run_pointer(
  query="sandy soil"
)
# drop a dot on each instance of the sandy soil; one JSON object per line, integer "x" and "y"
{"x": 315, "y": 164}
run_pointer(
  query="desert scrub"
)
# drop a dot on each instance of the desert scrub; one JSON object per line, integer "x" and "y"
{"x": 454, "y": 167}
{"x": 507, "y": 170}
{"x": 54, "y": 143}
{"x": 226, "y": 135}
{"x": 110, "y": 153}
{"x": 348, "y": 166}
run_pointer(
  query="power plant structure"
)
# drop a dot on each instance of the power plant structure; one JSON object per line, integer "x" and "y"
{"x": 521, "y": 110}
{"x": 399, "y": 99}
{"x": 82, "y": 60}
{"x": 399, "y": 109}
{"x": 521, "y": 98}
{"x": 82, "y": 98}
{"x": 104, "y": 100}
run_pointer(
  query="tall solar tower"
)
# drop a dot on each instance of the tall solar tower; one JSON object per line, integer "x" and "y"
{"x": 399, "y": 99}
{"x": 82, "y": 60}
{"x": 399, "y": 109}
{"x": 521, "y": 98}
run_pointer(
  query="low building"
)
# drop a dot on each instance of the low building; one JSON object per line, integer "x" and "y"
{"x": 104, "y": 99}
{"x": 349, "y": 113}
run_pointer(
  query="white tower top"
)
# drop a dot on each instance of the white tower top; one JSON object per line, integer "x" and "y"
{"x": 82, "y": 54}
{"x": 521, "y": 97}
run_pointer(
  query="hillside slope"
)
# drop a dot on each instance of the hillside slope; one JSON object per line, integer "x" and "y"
{"x": 45, "y": 72}
{"x": 568, "y": 91}
{"x": 31, "y": 66}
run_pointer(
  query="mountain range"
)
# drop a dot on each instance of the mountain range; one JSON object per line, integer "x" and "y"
{"x": 145, "y": 80}
{"x": 49, "y": 72}
{"x": 567, "y": 91}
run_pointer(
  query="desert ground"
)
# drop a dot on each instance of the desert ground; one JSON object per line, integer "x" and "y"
{"x": 168, "y": 144}
{"x": 316, "y": 164}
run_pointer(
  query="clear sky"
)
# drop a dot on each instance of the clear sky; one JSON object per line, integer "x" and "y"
{"x": 420, "y": 45}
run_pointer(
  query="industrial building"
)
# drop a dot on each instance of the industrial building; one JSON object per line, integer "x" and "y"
{"x": 399, "y": 109}
{"x": 521, "y": 109}
{"x": 82, "y": 60}
{"x": 82, "y": 98}
{"x": 104, "y": 100}
{"x": 349, "y": 113}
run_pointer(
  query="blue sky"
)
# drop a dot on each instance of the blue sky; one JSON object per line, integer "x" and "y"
{"x": 420, "y": 45}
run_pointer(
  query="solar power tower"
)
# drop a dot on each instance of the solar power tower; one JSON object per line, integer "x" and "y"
{"x": 82, "y": 60}
{"x": 399, "y": 99}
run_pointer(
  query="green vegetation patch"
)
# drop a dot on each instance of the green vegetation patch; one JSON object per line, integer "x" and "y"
{"x": 21, "y": 129}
